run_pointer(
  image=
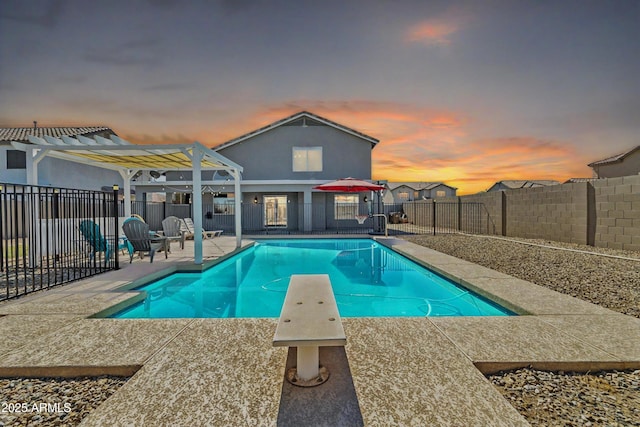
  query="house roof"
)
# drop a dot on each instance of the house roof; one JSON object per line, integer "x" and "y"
{"x": 417, "y": 185}
{"x": 22, "y": 134}
{"x": 576, "y": 180}
{"x": 513, "y": 184}
{"x": 306, "y": 119}
{"x": 614, "y": 159}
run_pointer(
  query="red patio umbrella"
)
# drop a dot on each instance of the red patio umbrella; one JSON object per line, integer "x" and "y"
{"x": 349, "y": 185}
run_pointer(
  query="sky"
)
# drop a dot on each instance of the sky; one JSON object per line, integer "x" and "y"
{"x": 463, "y": 92}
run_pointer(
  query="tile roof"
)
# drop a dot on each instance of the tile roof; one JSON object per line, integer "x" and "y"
{"x": 614, "y": 159}
{"x": 528, "y": 183}
{"x": 576, "y": 180}
{"x": 22, "y": 134}
{"x": 293, "y": 118}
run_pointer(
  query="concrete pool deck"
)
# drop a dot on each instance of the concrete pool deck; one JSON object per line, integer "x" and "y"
{"x": 405, "y": 371}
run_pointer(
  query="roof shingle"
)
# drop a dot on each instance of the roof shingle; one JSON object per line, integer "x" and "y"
{"x": 22, "y": 134}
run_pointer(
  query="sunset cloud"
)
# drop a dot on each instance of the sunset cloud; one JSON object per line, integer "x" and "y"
{"x": 420, "y": 143}
{"x": 432, "y": 32}
{"x": 439, "y": 30}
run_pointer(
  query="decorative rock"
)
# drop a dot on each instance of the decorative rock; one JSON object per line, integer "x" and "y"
{"x": 80, "y": 395}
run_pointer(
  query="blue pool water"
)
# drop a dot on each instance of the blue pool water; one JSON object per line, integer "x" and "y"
{"x": 368, "y": 280}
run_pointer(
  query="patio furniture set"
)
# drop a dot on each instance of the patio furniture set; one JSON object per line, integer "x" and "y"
{"x": 139, "y": 238}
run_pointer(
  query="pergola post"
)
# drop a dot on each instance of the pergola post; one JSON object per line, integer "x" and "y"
{"x": 126, "y": 177}
{"x": 34, "y": 155}
{"x": 238, "y": 206}
{"x": 196, "y": 160}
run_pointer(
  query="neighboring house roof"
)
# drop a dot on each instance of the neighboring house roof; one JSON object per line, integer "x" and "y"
{"x": 576, "y": 180}
{"x": 417, "y": 185}
{"x": 614, "y": 159}
{"x": 306, "y": 119}
{"x": 512, "y": 184}
{"x": 22, "y": 134}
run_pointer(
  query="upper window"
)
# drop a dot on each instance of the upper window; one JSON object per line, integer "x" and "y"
{"x": 403, "y": 195}
{"x": 307, "y": 159}
{"x": 441, "y": 193}
{"x": 16, "y": 159}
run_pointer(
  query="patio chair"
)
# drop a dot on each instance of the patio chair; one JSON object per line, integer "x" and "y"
{"x": 190, "y": 230}
{"x": 142, "y": 241}
{"x": 171, "y": 228}
{"x": 98, "y": 243}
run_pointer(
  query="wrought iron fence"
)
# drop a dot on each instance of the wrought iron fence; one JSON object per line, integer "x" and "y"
{"x": 422, "y": 217}
{"x": 52, "y": 236}
{"x": 434, "y": 217}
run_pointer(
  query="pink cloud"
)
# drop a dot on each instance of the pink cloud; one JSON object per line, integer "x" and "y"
{"x": 420, "y": 143}
{"x": 432, "y": 32}
{"x": 439, "y": 30}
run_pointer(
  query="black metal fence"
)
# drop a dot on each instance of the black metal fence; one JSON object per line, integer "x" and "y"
{"x": 423, "y": 217}
{"x": 52, "y": 236}
{"x": 433, "y": 217}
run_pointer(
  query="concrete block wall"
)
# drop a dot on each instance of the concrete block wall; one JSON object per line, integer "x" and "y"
{"x": 492, "y": 202}
{"x": 617, "y": 213}
{"x": 603, "y": 213}
{"x": 557, "y": 212}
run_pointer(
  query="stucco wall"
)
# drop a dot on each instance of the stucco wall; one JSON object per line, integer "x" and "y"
{"x": 629, "y": 166}
{"x": 61, "y": 173}
{"x": 269, "y": 156}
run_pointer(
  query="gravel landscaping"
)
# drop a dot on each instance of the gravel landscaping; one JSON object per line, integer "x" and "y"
{"x": 562, "y": 398}
{"x": 53, "y": 401}
{"x": 570, "y": 399}
{"x": 613, "y": 283}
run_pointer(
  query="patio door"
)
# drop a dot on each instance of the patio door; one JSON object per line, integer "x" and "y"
{"x": 275, "y": 211}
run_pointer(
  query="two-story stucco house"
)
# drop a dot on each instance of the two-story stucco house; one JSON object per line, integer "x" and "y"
{"x": 282, "y": 163}
{"x": 286, "y": 159}
{"x": 401, "y": 192}
{"x": 623, "y": 164}
{"x": 14, "y": 164}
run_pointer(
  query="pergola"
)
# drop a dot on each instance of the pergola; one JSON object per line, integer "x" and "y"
{"x": 129, "y": 159}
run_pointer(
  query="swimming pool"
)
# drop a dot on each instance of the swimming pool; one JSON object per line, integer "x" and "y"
{"x": 368, "y": 280}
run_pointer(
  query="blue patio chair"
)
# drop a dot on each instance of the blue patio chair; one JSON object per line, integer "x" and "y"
{"x": 98, "y": 243}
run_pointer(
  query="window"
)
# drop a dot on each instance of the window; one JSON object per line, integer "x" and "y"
{"x": 345, "y": 206}
{"x": 403, "y": 195}
{"x": 224, "y": 204}
{"x": 416, "y": 194}
{"x": 307, "y": 159}
{"x": 16, "y": 159}
{"x": 441, "y": 193}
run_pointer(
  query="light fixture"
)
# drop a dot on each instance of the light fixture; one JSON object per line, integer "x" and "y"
{"x": 115, "y": 187}
{"x": 255, "y": 200}
{"x": 365, "y": 199}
